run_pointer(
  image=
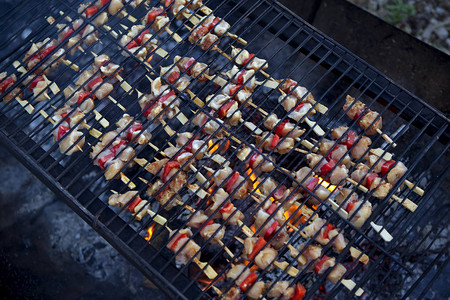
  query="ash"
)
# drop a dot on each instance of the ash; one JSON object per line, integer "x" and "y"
{"x": 47, "y": 251}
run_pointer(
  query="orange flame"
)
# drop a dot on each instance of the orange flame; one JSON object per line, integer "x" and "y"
{"x": 326, "y": 184}
{"x": 253, "y": 179}
{"x": 213, "y": 149}
{"x": 150, "y": 231}
{"x": 298, "y": 216}
{"x": 206, "y": 282}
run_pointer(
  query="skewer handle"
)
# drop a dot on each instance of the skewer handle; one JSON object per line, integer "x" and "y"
{"x": 350, "y": 285}
{"x": 415, "y": 189}
{"x": 383, "y": 232}
{"x": 386, "y": 138}
{"x": 209, "y": 271}
{"x": 411, "y": 206}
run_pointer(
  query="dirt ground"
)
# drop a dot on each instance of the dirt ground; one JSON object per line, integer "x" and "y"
{"x": 427, "y": 20}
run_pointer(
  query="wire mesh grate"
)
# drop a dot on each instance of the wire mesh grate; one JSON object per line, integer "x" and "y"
{"x": 292, "y": 49}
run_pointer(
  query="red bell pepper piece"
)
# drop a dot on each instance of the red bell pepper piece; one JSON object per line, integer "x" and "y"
{"x": 64, "y": 116}
{"x": 275, "y": 140}
{"x": 234, "y": 89}
{"x": 153, "y": 14}
{"x": 299, "y": 106}
{"x": 115, "y": 148}
{"x": 67, "y": 34}
{"x": 140, "y": 38}
{"x": 350, "y": 206}
{"x": 173, "y": 76}
{"x": 271, "y": 230}
{"x": 207, "y": 223}
{"x": 271, "y": 208}
{"x": 253, "y": 159}
{"x": 248, "y": 282}
{"x": 349, "y": 139}
{"x": 330, "y": 155}
{"x": 320, "y": 264}
{"x": 133, "y": 129}
{"x": 240, "y": 78}
{"x": 173, "y": 245}
{"x": 188, "y": 64}
{"x": 35, "y": 81}
{"x": 102, "y": 160}
{"x": 312, "y": 184}
{"x": 82, "y": 96}
{"x": 260, "y": 243}
{"x": 227, "y": 208}
{"x": 225, "y": 108}
{"x": 167, "y": 3}
{"x": 6, "y": 83}
{"x": 104, "y": 2}
{"x": 131, "y": 45}
{"x": 357, "y": 114}
{"x": 189, "y": 145}
{"x": 326, "y": 168}
{"x": 327, "y": 230}
{"x": 168, "y": 167}
{"x": 148, "y": 109}
{"x": 133, "y": 204}
{"x": 200, "y": 32}
{"x": 214, "y": 23}
{"x": 62, "y": 130}
{"x": 279, "y": 193}
{"x": 370, "y": 179}
{"x": 280, "y": 128}
{"x": 248, "y": 59}
{"x": 292, "y": 84}
{"x": 47, "y": 51}
{"x": 91, "y": 10}
{"x": 232, "y": 181}
{"x": 164, "y": 97}
{"x": 300, "y": 292}
{"x": 386, "y": 166}
{"x": 94, "y": 81}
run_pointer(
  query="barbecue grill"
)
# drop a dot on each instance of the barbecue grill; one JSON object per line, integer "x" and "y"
{"x": 414, "y": 132}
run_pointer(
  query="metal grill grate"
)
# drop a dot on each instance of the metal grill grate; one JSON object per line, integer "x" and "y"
{"x": 292, "y": 49}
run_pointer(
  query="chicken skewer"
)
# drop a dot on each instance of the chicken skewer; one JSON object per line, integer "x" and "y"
{"x": 245, "y": 281}
{"x": 308, "y": 254}
{"x": 370, "y": 120}
{"x": 209, "y": 44}
{"x": 381, "y": 188}
{"x": 385, "y": 165}
{"x": 219, "y": 26}
{"x": 263, "y": 256}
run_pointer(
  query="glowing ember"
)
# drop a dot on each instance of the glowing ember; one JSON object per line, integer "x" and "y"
{"x": 150, "y": 231}
{"x": 326, "y": 184}
{"x": 150, "y": 58}
{"x": 298, "y": 216}
{"x": 255, "y": 182}
{"x": 206, "y": 282}
{"x": 211, "y": 148}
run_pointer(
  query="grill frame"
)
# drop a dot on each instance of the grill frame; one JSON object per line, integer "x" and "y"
{"x": 124, "y": 248}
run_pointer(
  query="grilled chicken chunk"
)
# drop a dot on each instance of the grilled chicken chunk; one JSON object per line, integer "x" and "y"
{"x": 182, "y": 244}
{"x": 265, "y": 258}
{"x": 280, "y": 290}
